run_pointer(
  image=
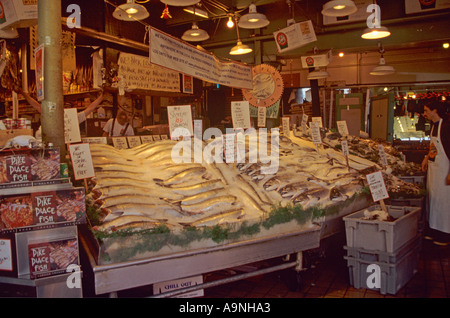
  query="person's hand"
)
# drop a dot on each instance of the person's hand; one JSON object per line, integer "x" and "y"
{"x": 425, "y": 164}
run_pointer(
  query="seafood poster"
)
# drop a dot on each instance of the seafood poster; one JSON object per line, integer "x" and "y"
{"x": 80, "y": 154}
{"x": 52, "y": 258}
{"x": 26, "y": 165}
{"x": 42, "y": 208}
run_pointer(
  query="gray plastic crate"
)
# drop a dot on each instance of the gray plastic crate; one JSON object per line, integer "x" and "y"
{"x": 384, "y": 257}
{"x": 384, "y": 236}
{"x": 393, "y": 276}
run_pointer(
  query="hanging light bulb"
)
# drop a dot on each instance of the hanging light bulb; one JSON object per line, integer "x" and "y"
{"x": 240, "y": 48}
{"x": 180, "y": 3}
{"x": 230, "y": 22}
{"x": 376, "y": 33}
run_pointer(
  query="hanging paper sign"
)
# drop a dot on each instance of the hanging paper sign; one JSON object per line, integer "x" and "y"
{"x": 315, "y": 132}
{"x": 285, "y": 126}
{"x": 317, "y": 120}
{"x": 294, "y": 36}
{"x": 133, "y": 141}
{"x": 240, "y": 114}
{"x": 382, "y": 153}
{"x": 170, "y": 52}
{"x": 136, "y": 72}
{"x": 120, "y": 142}
{"x": 262, "y": 116}
{"x": 180, "y": 117}
{"x": 71, "y": 126}
{"x": 342, "y": 127}
{"x": 188, "y": 84}
{"x": 80, "y": 154}
{"x": 377, "y": 186}
{"x": 147, "y": 138}
{"x": 39, "y": 72}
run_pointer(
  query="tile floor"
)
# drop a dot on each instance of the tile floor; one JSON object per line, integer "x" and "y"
{"x": 329, "y": 278}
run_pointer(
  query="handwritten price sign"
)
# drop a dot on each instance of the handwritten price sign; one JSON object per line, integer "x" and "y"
{"x": 377, "y": 186}
{"x": 80, "y": 155}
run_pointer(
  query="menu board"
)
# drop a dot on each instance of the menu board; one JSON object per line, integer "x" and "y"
{"x": 240, "y": 114}
{"x": 180, "y": 117}
{"x": 80, "y": 154}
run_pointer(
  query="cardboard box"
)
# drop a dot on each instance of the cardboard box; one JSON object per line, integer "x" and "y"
{"x": 18, "y": 13}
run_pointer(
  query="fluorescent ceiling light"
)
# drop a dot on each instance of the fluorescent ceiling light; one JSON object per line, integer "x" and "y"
{"x": 376, "y": 33}
{"x": 195, "y": 34}
{"x": 382, "y": 68}
{"x": 130, "y": 11}
{"x": 339, "y": 8}
{"x": 317, "y": 74}
{"x": 180, "y": 3}
{"x": 240, "y": 49}
{"x": 197, "y": 12}
{"x": 253, "y": 19}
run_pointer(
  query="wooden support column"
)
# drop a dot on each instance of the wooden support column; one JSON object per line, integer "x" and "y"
{"x": 49, "y": 33}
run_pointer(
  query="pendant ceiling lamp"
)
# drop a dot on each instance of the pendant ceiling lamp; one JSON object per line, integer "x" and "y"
{"x": 239, "y": 48}
{"x": 9, "y": 33}
{"x": 317, "y": 74}
{"x": 180, "y": 3}
{"x": 195, "y": 34}
{"x": 376, "y": 33}
{"x": 339, "y": 8}
{"x": 130, "y": 11}
{"x": 196, "y": 11}
{"x": 253, "y": 19}
{"x": 382, "y": 68}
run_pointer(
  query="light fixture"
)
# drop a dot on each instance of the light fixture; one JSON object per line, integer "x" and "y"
{"x": 446, "y": 45}
{"x": 195, "y": 34}
{"x": 375, "y": 33}
{"x": 317, "y": 74}
{"x": 253, "y": 19}
{"x": 239, "y": 48}
{"x": 339, "y": 8}
{"x": 130, "y": 11}
{"x": 230, "y": 22}
{"x": 180, "y": 3}
{"x": 341, "y": 54}
{"x": 382, "y": 68}
{"x": 9, "y": 33}
{"x": 197, "y": 12}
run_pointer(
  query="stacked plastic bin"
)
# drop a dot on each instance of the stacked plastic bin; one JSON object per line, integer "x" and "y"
{"x": 383, "y": 255}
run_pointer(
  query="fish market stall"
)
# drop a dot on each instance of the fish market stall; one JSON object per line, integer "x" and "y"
{"x": 172, "y": 209}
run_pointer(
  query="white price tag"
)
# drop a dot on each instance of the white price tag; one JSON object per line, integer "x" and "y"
{"x": 285, "y": 122}
{"x": 344, "y": 145}
{"x": 382, "y": 154}
{"x": 377, "y": 186}
{"x": 315, "y": 132}
{"x": 342, "y": 127}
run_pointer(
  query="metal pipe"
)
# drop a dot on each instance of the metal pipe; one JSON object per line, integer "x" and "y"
{"x": 226, "y": 280}
{"x": 52, "y": 113}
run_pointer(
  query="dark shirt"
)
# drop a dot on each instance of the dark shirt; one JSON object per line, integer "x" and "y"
{"x": 445, "y": 135}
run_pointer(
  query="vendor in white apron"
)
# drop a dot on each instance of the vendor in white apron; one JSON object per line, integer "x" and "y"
{"x": 437, "y": 162}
